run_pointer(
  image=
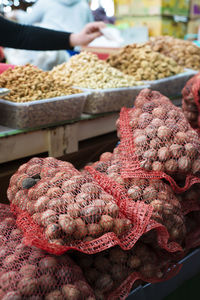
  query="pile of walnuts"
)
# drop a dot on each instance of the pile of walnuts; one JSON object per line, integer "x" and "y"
{"x": 185, "y": 53}
{"x": 64, "y": 202}
{"x": 30, "y": 273}
{"x": 143, "y": 63}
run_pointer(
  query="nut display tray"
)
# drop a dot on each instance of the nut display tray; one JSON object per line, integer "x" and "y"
{"x": 173, "y": 85}
{"x": 41, "y": 112}
{"x": 108, "y": 100}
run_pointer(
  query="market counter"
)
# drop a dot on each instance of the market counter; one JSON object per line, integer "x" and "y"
{"x": 58, "y": 139}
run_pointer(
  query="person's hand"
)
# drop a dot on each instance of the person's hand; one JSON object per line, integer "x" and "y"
{"x": 90, "y": 32}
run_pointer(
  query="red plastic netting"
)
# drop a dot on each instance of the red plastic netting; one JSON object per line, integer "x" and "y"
{"x": 113, "y": 272}
{"x": 154, "y": 196}
{"x": 190, "y": 203}
{"x": 190, "y": 200}
{"x": 28, "y": 273}
{"x": 158, "y": 142}
{"x": 191, "y": 101}
{"x": 193, "y": 230}
{"x": 59, "y": 208}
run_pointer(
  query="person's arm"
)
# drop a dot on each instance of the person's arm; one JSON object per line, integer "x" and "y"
{"x": 14, "y": 35}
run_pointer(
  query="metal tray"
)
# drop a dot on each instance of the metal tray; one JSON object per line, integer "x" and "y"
{"x": 41, "y": 112}
{"x": 172, "y": 86}
{"x": 109, "y": 100}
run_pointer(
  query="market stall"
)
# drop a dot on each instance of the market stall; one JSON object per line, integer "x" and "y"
{"x": 117, "y": 218}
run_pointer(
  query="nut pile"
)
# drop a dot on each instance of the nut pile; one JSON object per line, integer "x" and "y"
{"x": 143, "y": 63}
{"x": 87, "y": 71}
{"x": 30, "y": 273}
{"x": 66, "y": 203}
{"x": 189, "y": 105}
{"x": 163, "y": 138}
{"x": 105, "y": 271}
{"x": 167, "y": 209}
{"x": 28, "y": 83}
{"x": 185, "y": 53}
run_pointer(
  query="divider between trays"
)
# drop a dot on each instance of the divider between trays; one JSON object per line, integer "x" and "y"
{"x": 109, "y": 100}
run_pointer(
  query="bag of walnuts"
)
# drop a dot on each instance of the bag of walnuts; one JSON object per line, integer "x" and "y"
{"x": 193, "y": 230}
{"x": 157, "y": 141}
{"x": 59, "y": 208}
{"x": 191, "y": 101}
{"x": 113, "y": 272}
{"x": 32, "y": 274}
{"x": 190, "y": 204}
{"x": 163, "y": 211}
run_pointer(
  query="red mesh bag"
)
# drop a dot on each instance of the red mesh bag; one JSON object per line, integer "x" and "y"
{"x": 190, "y": 200}
{"x": 165, "y": 216}
{"x": 190, "y": 203}
{"x": 59, "y": 208}
{"x": 31, "y": 274}
{"x": 191, "y": 101}
{"x": 158, "y": 142}
{"x": 193, "y": 230}
{"x": 113, "y": 272}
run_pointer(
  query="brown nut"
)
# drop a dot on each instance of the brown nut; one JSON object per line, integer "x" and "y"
{"x": 134, "y": 262}
{"x": 196, "y": 166}
{"x": 14, "y": 295}
{"x": 55, "y": 295}
{"x": 91, "y": 213}
{"x": 52, "y": 231}
{"x": 54, "y": 192}
{"x": 184, "y": 164}
{"x": 190, "y": 150}
{"x": 163, "y": 154}
{"x": 181, "y": 138}
{"x": 47, "y": 282}
{"x": 41, "y": 204}
{"x": 118, "y": 272}
{"x": 159, "y": 112}
{"x": 171, "y": 166}
{"x": 157, "y": 166}
{"x": 150, "y": 154}
{"x": 8, "y": 280}
{"x": 149, "y": 193}
{"x": 104, "y": 283}
{"x": 94, "y": 230}
{"x": 48, "y": 264}
{"x": 135, "y": 192}
{"x": 84, "y": 288}
{"x": 28, "y": 287}
{"x": 112, "y": 210}
{"x": 81, "y": 229}
{"x": 176, "y": 150}
{"x": 102, "y": 263}
{"x": 28, "y": 271}
{"x": 67, "y": 224}
{"x": 49, "y": 216}
{"x": 11, "y": 262}
{"x": 106, "y": 222}
{"x": 71, "y": 292}
{"x": 164, "y": 133}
